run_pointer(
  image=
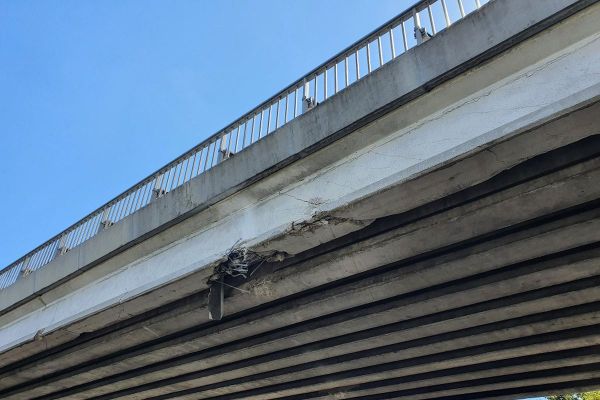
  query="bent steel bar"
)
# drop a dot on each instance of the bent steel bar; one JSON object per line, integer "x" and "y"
{"x": 425, "y": 18}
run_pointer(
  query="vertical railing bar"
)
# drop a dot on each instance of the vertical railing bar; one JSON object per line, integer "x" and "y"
{"x": 316, "y": 87}
{"x": 187, "y": 164}
{"x": 222, "y": 149}
{"x": 431, "y": 20}
{"x": 346, "y": 72}
{"x": 140, "y": 197}
{"x": 260, "y": 123}
{"x": 66, "y": 247}
{"x": 142, "y": 193}
{"x": 193, "y": 164}
{"x": 416, "y": 19}
{"x": 335, "y": 78}
{"x": 229, "y": 147}
{"x": 135, "y": 200}
{"x": 131, "y": 201}
{"x": 252, "y": 129}
{"x": 296, "y": 102}
{"x": 52, "y": 248}
{"x": 87, "y": 229}
{"x": 477, "y": 4}
{"x": 285, "y": 119}
{"x": 180, "y": 165}
{"x": 172, "y": 175}
{"x": 75, "y": 239}
{"x": 209, "y": 155}
{"x": 88, "y": 226}
{"x": 149, "y": 191}
{"x": 277, "y": 113}
{"x": 172, "y": 172}
{"x": 43, "y": 255}
{"x": 81, "y": 237}
{"x": 97, "y": 222}
{"x": 119, "y": 209}
{"x": 215, "y": 156}
{"x": 112, "y": 211}
{"x": 461, "y": 8}
{"x": 244, "y": 135}
{"x": 48, "y": 253}
{"x": 357, "y": 62}
{"x": 368, "y": 47}
{"x": 325, "y": 84}
{"x": 179, "y": 170}
{"x": 269, "y": 119}
{"x": 126, "y": 208}
{"x": 446, "y": 14}
{"x": 237, "y": 138}
{"x": 202, "y": 161}
{"x": 404, "y": 39}
{"x": 74, "y": 235}
{"x": 380, "y": 50}
{"x": 32, "y": 261}
{"x": 160, "y": 181}
{"x": 392, "y": 44}
{"x": 84, "y": 230}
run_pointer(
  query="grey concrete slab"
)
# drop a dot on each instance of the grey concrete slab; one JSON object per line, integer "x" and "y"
{"x": 50, "y": 368}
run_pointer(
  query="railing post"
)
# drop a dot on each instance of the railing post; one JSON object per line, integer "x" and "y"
{"x": 421, "y": 33}
{"x": 25, "y": 267}
{"x": 105, "y": 222}
{"x": 62, "y": 245}
{"x": 223, "y": 155}
{"x": 157, "y": 190}
{"x": 417, "y": 23}
{"x": 308, "y": 102}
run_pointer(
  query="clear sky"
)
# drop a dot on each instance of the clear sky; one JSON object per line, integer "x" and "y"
{"x": 95, "y": 95}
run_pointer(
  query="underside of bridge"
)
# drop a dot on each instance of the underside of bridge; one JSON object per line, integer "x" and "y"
{"x": 490, "y": 292}
{"x": 478, "y": 278}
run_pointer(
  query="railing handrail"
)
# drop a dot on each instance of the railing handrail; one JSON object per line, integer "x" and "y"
{"x": 153, "y": 183}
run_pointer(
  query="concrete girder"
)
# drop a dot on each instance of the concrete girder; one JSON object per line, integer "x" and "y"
{"x": 536, "y": 188}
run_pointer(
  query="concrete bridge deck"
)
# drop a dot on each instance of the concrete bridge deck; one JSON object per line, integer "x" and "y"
{"x": 430, "y": 232}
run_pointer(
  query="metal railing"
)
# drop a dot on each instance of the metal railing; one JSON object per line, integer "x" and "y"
{"x": 406, "y": 30}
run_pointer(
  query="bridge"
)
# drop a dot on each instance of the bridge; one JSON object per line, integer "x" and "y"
{"x": 418, "y": 217}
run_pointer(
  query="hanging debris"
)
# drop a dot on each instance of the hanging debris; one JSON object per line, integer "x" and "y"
{"x": 240, "y": 263}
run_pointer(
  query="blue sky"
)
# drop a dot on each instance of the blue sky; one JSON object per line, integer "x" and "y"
{"x": 95, "y": 95}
